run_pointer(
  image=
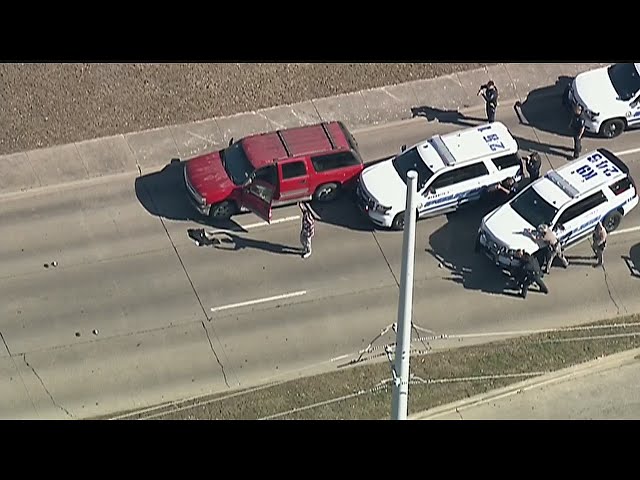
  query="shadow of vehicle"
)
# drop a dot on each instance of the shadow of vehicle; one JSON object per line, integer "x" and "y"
{"x": 343, "y": 212}
{"x": 543, "y": 148}
{"x": 453, "y": 246}
{"x": 543, "y": 109}
{"x": 633, "y": 261}
{"x": 163, "y": 194}
{"x": 231, "y": 242}
{"x": 446, "y": 116}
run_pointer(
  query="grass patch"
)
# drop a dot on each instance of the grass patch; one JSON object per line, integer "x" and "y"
{"x": 441, "y": 377}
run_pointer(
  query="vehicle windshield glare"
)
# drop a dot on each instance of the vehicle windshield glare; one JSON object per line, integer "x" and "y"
{"x": 533, "y": 208}
{"x": 411, "y": 160}
{"x": 625, "y": 79}
{"x": 236, "y": 164}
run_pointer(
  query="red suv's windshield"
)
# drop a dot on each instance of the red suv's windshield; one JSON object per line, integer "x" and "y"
{"x": 236, "y": 164}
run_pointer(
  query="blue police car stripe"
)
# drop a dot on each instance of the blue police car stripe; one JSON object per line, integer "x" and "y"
{"x": 451, "y": 199}
{"x": 578, "y": 233}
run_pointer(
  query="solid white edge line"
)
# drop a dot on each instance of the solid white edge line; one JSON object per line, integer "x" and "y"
{"x": 627, "y": 230}
{"x": 262, "y": 300}
{"x": 629, "y": 152}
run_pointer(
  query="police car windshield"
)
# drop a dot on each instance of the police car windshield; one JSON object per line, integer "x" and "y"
{"x": 236, "y": 164}
{"x": 625, "y": 80}
{"x": 534, "y": 209}
{"x": 411, "y": 160}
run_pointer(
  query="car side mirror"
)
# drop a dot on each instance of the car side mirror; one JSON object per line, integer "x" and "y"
{"x": 403, "y": 149}
{"x": 231, "y": 141}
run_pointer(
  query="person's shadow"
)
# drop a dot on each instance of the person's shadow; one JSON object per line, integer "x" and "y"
{"x": 231, "y": 242}
{"x": 633, "y": 261}
{"x": 446, "y": 116}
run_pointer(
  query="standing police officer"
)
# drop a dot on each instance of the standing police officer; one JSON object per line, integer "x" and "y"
{"x": 578, "y": 129}
{"x": 490, "y": 94}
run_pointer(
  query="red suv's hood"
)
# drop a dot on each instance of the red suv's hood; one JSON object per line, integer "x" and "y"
{"x": 209, "y": 178}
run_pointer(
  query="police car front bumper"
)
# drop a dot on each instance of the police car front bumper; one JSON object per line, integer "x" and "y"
{"x": 570, "y": 101}
{"x": 497, "y": 254}
{"x": 365, "y": 206}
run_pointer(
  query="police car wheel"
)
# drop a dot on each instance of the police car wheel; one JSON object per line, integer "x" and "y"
{"x": 612, "y": 128}
{"x": 612, "y": 221}
{"x": 398, "y": 222}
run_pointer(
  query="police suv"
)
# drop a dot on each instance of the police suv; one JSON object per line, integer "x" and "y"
{"x": 453, "y": 170}
{"x": 609, "y": 96}
{"x": 571, "y": 200}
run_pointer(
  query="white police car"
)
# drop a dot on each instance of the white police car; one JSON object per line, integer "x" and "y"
{"x": 571, "y": 200}
{"x": 453, "y": 169}
{"x": 609, "y": 96}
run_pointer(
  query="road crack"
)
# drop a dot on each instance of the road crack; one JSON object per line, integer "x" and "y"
{"x": 386, "y": 260}
{"x": 24, "y": 358}
{"x": 610, "y": 292}
{"x": 460, "y": 414}
{"x": 224, "y": 374}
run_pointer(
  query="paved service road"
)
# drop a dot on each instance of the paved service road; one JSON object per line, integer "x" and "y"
{"x": 135, "y": 314}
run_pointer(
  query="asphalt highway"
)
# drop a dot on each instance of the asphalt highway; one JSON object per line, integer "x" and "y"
{"x": 135, "y": 314}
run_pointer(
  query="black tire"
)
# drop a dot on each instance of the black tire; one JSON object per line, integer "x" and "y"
{"x": 612, "y": 128}
{"x": 223, "y": 211}
{"x": 398, "y": 222}
{"x": 327, "y": 193}
{"x": 612, "y": 221}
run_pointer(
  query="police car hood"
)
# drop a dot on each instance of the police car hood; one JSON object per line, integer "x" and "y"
{"x": 384, "y": 185}
{"x": 510, "y": 230}
{"x": 594, "y": 90}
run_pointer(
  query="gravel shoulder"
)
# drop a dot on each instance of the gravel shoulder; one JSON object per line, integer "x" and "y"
{"x": 46, "y": 104}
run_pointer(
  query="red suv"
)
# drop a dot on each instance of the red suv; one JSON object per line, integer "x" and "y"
{"x": 274, "y": 169}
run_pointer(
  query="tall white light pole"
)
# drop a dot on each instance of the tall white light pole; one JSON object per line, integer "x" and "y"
{"x": 405, "y": 305}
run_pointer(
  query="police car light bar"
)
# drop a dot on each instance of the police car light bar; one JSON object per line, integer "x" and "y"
{"x": 565, "y": 186}
{"x": 448, "y": 159}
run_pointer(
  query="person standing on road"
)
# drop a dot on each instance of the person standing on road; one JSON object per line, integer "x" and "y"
{"x": 578, "y": 129}
{"x": 533, "y": 164}
{"x": 308, "y": 229}
{"x": 530, "y": 273}
{"x": 490, "y": 94}
{"x": 599, "y": 243}
{"x": 554, "y": 247}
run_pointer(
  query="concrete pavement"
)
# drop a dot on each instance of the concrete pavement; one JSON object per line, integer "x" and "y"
{"x": 174, "y": 321}
{"x": 604, "y": 389}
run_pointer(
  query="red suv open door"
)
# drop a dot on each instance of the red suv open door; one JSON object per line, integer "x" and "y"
{"x": 258, "y": 197}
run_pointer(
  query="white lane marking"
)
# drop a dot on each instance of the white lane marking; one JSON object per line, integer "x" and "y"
{"x": 629, "y": 152}
{"x": 258, "y": 225}
{"x": 622, "y": 232}
{"x": 262, "y": 300}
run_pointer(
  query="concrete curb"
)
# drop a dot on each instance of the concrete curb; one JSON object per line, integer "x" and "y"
{"x": 567, "y": 374}
{"x": 152, "y": 149}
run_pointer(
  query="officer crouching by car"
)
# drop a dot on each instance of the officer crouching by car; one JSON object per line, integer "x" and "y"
{"x": 528, "y": 273}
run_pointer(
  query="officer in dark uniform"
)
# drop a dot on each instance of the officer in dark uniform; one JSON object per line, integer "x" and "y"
{"x": 529, "y": 273}
{"x": 577, "y": 129}
{"x": 533, "y": 165}
{"x": 490, "y": 94}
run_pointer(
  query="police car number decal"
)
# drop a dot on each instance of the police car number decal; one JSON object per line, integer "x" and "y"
{"x": 587, "y": 172}
{"x": 492, "y": 140}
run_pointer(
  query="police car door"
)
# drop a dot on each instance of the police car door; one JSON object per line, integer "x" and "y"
{"x": 453, "y": 189}
{"x": 438, "y": 196}
{"x": 579, "y": 220}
